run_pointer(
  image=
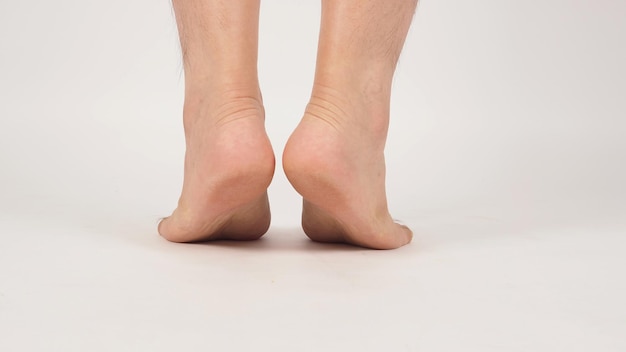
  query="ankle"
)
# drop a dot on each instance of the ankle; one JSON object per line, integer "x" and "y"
{"x": 363, "y": 108}
{"x": 223, "y": 102}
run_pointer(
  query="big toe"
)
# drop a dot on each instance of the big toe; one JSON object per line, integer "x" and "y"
{"x": 170, "y": 232}
{"x": 397, "y": 236}
{"x": 163, "y": 227}
{"x": 407, "y": 234}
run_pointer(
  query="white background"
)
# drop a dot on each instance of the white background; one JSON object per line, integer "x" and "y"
{"x": 506, "y": 155}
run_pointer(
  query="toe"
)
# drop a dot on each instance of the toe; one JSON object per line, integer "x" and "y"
{"x": 164, "y": 228}
{"x": 159, "y": 224}
{"x": 170, "y": 229}
{"x": 407, "y": 233}
{"x": 396, "y": 237}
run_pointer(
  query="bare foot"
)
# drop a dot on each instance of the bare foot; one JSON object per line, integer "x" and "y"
{"x": 335, "y": 160}
{"x": 229, "y": 163}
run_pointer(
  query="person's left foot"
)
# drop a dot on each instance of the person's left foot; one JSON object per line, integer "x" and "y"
{"x": 229, "y": 163}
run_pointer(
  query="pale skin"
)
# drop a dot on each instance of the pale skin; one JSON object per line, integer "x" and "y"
{"x": 334, "y": 158}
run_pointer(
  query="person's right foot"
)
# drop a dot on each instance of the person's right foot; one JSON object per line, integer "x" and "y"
{"x": 335, "y": 160}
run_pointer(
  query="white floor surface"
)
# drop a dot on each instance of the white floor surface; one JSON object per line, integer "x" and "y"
{"x": 467, "y": 283}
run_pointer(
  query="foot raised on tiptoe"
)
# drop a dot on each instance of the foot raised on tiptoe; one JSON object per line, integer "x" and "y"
{"x": 229, "y": 164}
{"x": 335, "y": 160}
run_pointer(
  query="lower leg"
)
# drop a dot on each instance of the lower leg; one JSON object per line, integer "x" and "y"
{"x": 335, "y": 157}
{"x": 229, "y": 161}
